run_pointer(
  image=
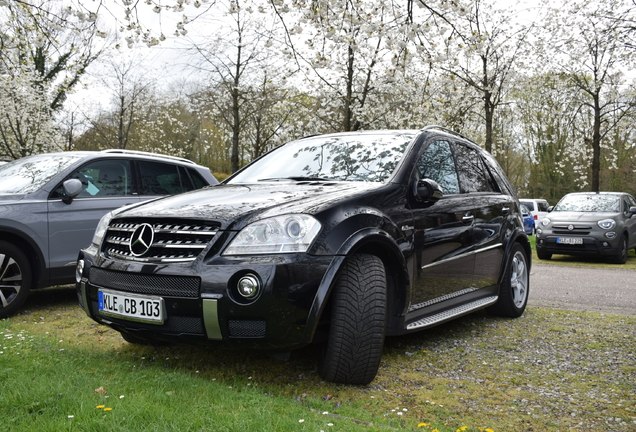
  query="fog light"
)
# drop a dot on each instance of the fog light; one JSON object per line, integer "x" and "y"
{"x": 79, "y": 270}
{"x": 248, "y": 286}
{"x": 605, "y": 244}
{"x": 610, "y": 235}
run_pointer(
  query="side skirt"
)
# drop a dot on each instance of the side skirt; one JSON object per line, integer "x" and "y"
{"x": 449, "y": 314}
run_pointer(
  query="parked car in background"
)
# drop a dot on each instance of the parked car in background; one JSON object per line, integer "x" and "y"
{"x": 538, "y": 208}
{"x": 50, "y": 205}
{"x": 335, "y": 239}
{"x": 589, "y": 224}
{"x": 528, "y": 220}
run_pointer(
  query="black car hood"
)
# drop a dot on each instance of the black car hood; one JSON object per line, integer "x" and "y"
{"x": 233, "y": 206}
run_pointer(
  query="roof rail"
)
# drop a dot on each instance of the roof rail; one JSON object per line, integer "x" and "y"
{"x": 143, "y": 153}
{"x": 450, "y": 131}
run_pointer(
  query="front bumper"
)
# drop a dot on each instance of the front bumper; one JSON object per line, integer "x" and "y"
{"x": 201, "y": 302}
{"x": 591, "y": 246}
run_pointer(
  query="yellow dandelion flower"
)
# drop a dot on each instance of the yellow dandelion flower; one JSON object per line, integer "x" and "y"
{"x": 422, "y": 425}
{"x": 462, "y": 429}
{"x": 99, "y": 406}
{"x": 108, "y": 409}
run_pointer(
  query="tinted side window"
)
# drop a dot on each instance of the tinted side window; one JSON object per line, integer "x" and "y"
{"x": 437, "y": 163}
{"x": 529, "y": 204}
{"x": 102, "y": 178}
{"x": 159, "y": 179}
{"x": 470, "y": 167}
{"x": 199, "y": 182}
{"x": 543, "y": 206}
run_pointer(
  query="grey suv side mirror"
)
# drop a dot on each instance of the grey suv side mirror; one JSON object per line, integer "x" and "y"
{"x": 632, "y": 211}
{"x": 72, "y": 188}
{"x": 428, "y": 190}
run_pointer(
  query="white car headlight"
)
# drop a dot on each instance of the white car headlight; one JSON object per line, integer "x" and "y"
{"x": 102, "y": 226}
{"x": 545, "y": 222}
{"x": 607, "y": 224}
{"x": 281, "y": 234}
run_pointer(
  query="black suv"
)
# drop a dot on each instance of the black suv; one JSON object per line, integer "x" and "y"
{"x": 337, "y": 239}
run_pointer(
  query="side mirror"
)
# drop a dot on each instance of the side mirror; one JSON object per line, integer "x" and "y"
{"x": 632, "y": 211}
{"x": 550, "y": 209}
{"x": 428, "y": 190}
{"x": 72, "y": 188}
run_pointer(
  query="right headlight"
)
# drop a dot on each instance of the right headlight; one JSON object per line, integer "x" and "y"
{"x": 281, "y": 234}
{"x": 607, "y": 224}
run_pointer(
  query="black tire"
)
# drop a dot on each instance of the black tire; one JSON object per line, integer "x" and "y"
{"x": 621, "y": 257}
{"x": 543, "y": 255}
{"x": 353, "y": 351}
{"x": 515, "y": 286}
{"x": 15, "y": 278}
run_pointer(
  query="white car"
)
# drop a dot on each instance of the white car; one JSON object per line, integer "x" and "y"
{"x": 538, "y": 208}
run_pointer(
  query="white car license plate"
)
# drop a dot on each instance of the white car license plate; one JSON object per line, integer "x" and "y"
{"x": 570, "y": 240}
{"x": 134, "y": 307}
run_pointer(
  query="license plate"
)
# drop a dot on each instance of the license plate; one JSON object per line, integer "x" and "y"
{"x": 134, "y": 307}
{"x": 570, "y": 240}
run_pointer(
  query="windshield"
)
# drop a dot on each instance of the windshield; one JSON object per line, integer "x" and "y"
{"x": 589, "y": 203}
{"x": 29, "y": 174}
{"x": 358, "y": 157}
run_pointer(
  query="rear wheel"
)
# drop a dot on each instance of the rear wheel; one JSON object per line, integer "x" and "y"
{"x": 352, "y": 353}
{"x": 621, "y": 256}
{"x": 513, "y": 293}
{"x": 15, "y": 278}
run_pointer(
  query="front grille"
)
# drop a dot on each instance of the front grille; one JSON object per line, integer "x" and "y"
{"x": 246, "y": 328}
{"x": 563, "y": 229}
{"x": 174, "y": 324}
{"x": 175, "y": 240}
{"x": 175, "y": 286}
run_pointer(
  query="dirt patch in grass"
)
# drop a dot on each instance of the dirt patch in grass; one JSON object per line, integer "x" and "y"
{"x": 550, "y": 370}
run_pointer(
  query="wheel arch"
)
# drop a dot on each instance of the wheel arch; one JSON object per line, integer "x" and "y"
{"x": 522, "y": 239}
{"x": 32, "y": 252}
{"x": 370, "y": 241}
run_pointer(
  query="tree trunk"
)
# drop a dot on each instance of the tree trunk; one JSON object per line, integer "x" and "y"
{"x": 596, "y": 145}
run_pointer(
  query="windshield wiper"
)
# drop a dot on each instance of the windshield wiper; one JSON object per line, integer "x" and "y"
{"x": 299, "y": 179}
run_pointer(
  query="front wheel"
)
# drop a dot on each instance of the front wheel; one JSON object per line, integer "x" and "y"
{"x": 352, "y": 353}
{"x": 513, "y": 293}
{"x": 15, "y": 278}
{"x": 621, "y": 256}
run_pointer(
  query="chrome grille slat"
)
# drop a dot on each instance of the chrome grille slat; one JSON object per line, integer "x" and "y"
{"x": 174, "y": 240}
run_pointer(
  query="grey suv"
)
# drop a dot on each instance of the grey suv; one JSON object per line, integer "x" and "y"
{"x": 591, "y": 223}
{"x": 51, "y": 203}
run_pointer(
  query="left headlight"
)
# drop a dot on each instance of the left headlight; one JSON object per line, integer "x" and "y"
{"x": 281, "y": 234}
{"x": 607, "y": 224}
{"x": 102, "y": 226}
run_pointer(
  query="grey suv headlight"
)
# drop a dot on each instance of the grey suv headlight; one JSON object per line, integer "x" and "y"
{"x": 544, "y": 222}
{"x": 607, "y": 224}
{"x": 281, "y": 234}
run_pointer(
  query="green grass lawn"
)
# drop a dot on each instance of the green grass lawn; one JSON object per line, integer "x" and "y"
{"x": 549, "y": 370}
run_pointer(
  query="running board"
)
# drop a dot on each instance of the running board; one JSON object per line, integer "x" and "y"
{"x": 452, "y": 313}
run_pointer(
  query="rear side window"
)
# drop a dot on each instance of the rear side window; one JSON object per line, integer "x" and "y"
{"x": 198, "y": 180}
{"x": 160, "y": 179}
{"x": 470, "y": 167}
{"x": 437, "y": 163}
{"x": 543, "y": 206}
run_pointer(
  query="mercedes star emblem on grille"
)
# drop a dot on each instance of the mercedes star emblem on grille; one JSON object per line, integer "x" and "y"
{"x": 141, "y": 239}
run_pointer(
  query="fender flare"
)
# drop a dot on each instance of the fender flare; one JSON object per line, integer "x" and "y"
{"x": 353, "y": 243}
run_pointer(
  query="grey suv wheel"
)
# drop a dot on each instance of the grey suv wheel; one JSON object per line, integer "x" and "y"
{"x": 15, "y": 278}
